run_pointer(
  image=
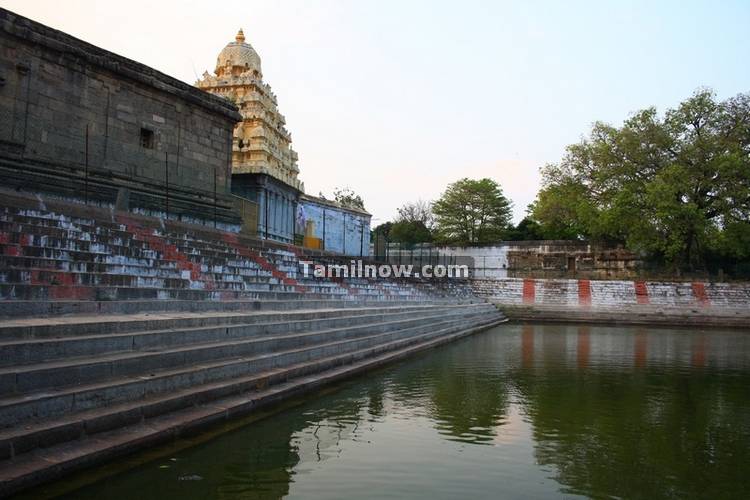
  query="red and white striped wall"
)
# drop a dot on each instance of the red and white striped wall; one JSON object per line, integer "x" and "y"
{"x": 606, "y": 293}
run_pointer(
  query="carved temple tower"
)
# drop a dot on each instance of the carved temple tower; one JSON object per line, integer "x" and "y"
{"x": 264, "y": 166}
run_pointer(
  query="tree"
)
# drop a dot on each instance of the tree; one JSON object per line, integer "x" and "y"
{"x": 410, "y": 232}
{"x": 472, "y": 212}
{"x": 413, "y": 223}
{"x": 383, "y": 229}
{"x": 417, "y": 211}
{"x": 527, "y": 229}
{"x": 348, "y": 198}
{"x": 675, "y": 187}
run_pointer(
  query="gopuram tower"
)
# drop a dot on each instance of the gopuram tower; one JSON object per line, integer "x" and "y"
{"x": 264, "y": 166}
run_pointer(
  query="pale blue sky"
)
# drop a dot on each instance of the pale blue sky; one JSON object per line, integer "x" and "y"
{"x": 396, "y": 99}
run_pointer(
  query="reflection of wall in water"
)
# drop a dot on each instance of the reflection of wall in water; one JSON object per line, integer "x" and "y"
{"x": 588, "y": 346}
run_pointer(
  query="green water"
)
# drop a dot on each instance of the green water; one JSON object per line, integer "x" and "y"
{"x": 520, "y": 411}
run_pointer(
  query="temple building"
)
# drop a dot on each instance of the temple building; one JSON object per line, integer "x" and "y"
{"x": 264, "y": 166}
{"x": 86, "y": 125}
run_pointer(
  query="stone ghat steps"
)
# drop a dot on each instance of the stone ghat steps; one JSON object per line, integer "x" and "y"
{"x": 15, "y": 291}
{"x": 68, "y": 326}
{"x": 94, "y": 236}
{"x": 132, "y": 251}
{"x": 28, "y": 351}
{"x": 73, "y": 439}
{"x": 37, "y": 363}
{"x": 79, "y": 357}
{"x": 185, "y": 263}
{"x": 136, "y": 267}
{"x": 80, "y": 266}
{"x": 48, "y": 258}
{"x": 55, "y": 308}
{"x": 125, "y": 278}
{"x": 109, "y": 286}
{"x": 47, "y": 255}
{"x": 133, "y": 378}
{"x": 50, "y": 265}
{"x": 139, "y": 292}
{"x": 112, "y": 237}
{"x": 122, "y": 392}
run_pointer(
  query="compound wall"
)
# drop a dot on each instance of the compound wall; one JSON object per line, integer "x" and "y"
{"x": 619, "y": 301}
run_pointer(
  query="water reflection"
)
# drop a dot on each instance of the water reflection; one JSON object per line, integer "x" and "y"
{"x": 675, "y": 425}
{"x": 578, "y": 410}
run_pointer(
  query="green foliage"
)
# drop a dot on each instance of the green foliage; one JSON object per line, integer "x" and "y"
{"x": 527, "y": 229}
{"x": 348, "y": 198}
{"x": 383, "y": 230}
{"x": 417, "y": 211}
{"x": 472, "y": 212}
{"x": 410, "y": 232}
{"x": 413, "y": 224}
{"x": 675, "y": 187}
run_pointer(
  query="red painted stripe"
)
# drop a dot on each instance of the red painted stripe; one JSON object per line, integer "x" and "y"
{"x": 529, "y": 291}
{"x": 233, "y": 241}
{"x": 13, "y": 250}
{"x": 584, "y": 292}
{"x": 699, "y": 292}
{"x": 641, "y": 292}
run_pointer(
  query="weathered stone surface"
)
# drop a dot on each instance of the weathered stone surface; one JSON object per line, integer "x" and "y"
{"x": 642, "y": 302}
{"x": 76, "y": 115}
{"x": 548, "y": 259}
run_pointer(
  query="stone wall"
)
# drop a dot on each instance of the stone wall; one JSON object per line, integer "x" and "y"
{"x": 82, "y": 122}
{"x": 547, "y": 259}
{"x": 619, "y": 301}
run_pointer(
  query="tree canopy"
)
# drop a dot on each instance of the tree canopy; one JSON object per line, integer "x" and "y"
{"x": 414, "y": 223}
{"x": 417, "y": 211}
{"x": 471, "y": 212}
{"x": 348, "y": 198}
{"x": 410, "y": 232}
{"x": 676, "y": 186}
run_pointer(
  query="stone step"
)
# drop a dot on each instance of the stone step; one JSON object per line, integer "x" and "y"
{"x": 124, "y": 255}
{"x": 36, "y": 406}
{"x": 76, "y": 344}
{"x": 136, "y": 267}
{"x": 54, "y": 308}
{"x": 64, "y": 257}
{"x": 61, "y": 327}
{"x": 211, "y": 282}
{"x": 12, "y": 292}
{"x": 56, "y": 374}
{"x": 67, "y": 238}
{"x": 101, "y": 431}
{"x": 23, "y": 291}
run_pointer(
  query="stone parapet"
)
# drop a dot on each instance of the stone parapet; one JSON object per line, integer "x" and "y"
{"x": 661, "y": 302}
